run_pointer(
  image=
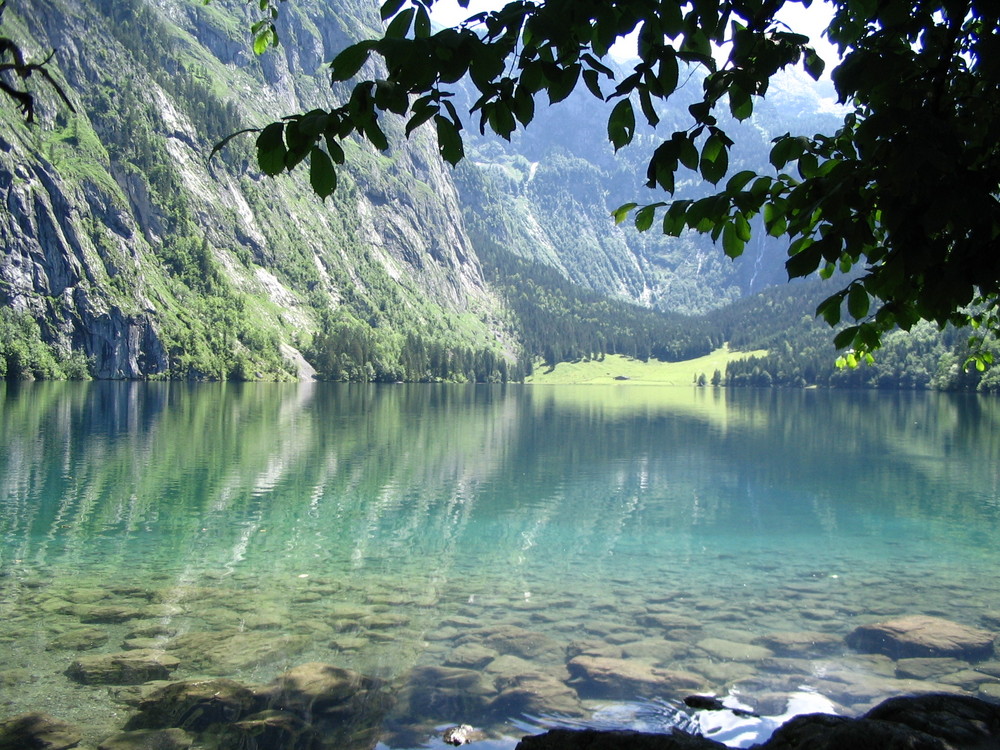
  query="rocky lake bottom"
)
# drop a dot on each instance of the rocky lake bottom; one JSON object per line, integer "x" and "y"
{"x": 505, "y": 659}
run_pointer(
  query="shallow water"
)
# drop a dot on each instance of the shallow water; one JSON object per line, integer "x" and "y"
{"x": 383, "y": 528}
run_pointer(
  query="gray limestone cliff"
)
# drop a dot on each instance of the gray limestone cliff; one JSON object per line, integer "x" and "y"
{"x": 128, "y": 244}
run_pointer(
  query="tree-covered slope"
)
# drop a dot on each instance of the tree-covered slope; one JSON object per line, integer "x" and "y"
{"x": 130, "y": 247}
{"x": 559, "y": 180}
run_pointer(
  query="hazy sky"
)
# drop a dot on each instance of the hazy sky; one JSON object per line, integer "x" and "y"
{"x": 811, "y": 22}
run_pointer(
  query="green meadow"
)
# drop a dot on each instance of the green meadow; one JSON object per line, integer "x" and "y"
{"x": 615, "y": 368}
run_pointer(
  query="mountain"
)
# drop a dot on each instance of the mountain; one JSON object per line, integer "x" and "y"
{"x": 122, "y": 243}
{"x": 126, "y": 252}
{"x": 558, "y": 181}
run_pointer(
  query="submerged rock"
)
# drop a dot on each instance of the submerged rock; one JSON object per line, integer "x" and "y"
{"x": 316, "y": 688}
{"x": 720, "y": 648}
{"x": 37, "y": 731}
{"x": 148, "y": 739}
{"x": 922, "y": 635}
{"x": 535, "y": 693}
{"x": 232, "y": 651}
{"x": 108, "y": 614}
{"x": 446, "y": 693}
{"x": 194, "y": 705}
{"x": 124, "y": 668}
{"x": 928, "y": 667}
{"x": 344, "y": 708}
{"x": 470, "y": 656}
{"x": 520, "y": 642}
{"x": 270, "y": 729}
{"x": 79, "y": 639}
{"x": 607, "y": 677}
{"x": 801, "y": 643}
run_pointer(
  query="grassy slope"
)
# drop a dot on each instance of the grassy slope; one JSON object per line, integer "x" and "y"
{"x": 653, "y": 372}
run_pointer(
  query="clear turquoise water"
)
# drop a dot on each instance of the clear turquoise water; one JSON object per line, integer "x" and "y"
{"x": 568, "y": 511}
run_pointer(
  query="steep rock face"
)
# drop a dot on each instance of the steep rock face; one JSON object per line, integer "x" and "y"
{"x": 129, "y": 245}
{"x": 52, "y": 270}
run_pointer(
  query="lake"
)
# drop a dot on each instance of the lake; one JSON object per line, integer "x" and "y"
{"x": 510, "y": 557}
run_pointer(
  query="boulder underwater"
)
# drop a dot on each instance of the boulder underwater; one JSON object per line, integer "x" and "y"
{"x": 916, "y": 636}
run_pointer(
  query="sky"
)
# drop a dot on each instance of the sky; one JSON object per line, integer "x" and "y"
{"x": 809, "y": 21}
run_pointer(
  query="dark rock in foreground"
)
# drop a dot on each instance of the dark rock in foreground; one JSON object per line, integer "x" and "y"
{"x": 310, "y": 707}
{"x": 921, "y": 635}
{"x": 194, "y": 705}
{"x": 926, "y": 722}
{"x": 593, "y": 739}
{"x": 37, "y": 731}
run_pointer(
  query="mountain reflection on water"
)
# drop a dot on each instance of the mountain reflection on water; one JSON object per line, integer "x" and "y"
{"x": 509, "y": 531}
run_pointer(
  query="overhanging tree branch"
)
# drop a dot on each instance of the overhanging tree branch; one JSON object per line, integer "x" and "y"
{"x": 13, "y": 63}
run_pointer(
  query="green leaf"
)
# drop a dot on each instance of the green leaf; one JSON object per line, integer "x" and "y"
{"x": 829, "y": 309}
{"x": 562, "y": 86}
{"x": 621, "y": 124}
{"x": 740, "y": 103}
{"x": 298, "y": 144}
{"x": 808, "y": 166}
{"x": 621, "y": 213}
{"x": 322, "y": 175}
{"x": 742, "y": 227}
{"x": 501, "y": 119}
{"x": 668, "y": 71}
{"x": 775, "y": 220}
{"x": 260, "y": 42}
{"x": 714, "y": 159}
{"x": 347, "y": 64}
{"x": 523, "y": 106}
{"x": 804, "y": 262}
{"x": 688, "y": 152}
{"x": 334, "y": 149}
{"x": 390, "y": 8}
{"x": 858, "y": 302}
{"x": 814, "y": 64}
{"x": 449, "y": 140}
{"x": 646, "y": 102}
{"x": 313, "y": 123}
{"x": 374, "y": 133}
{"x": 420, "y": 115}
{"x": 400, "y": 24}
{"x": 592, "y": 79}
{"x": 675, "y": 219}
{"x": 739, "y": 181}
{"x": 644, "y": 218}
{"x": 662, "y": 166}
{"x": 422, "y": 24}
{"x": 786, "y": 149}
{"x": 271, "y": 149}
{"x": 597, "y": 65}
{"x": 732, "y": 243}
{"x": 846, "y": 338}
